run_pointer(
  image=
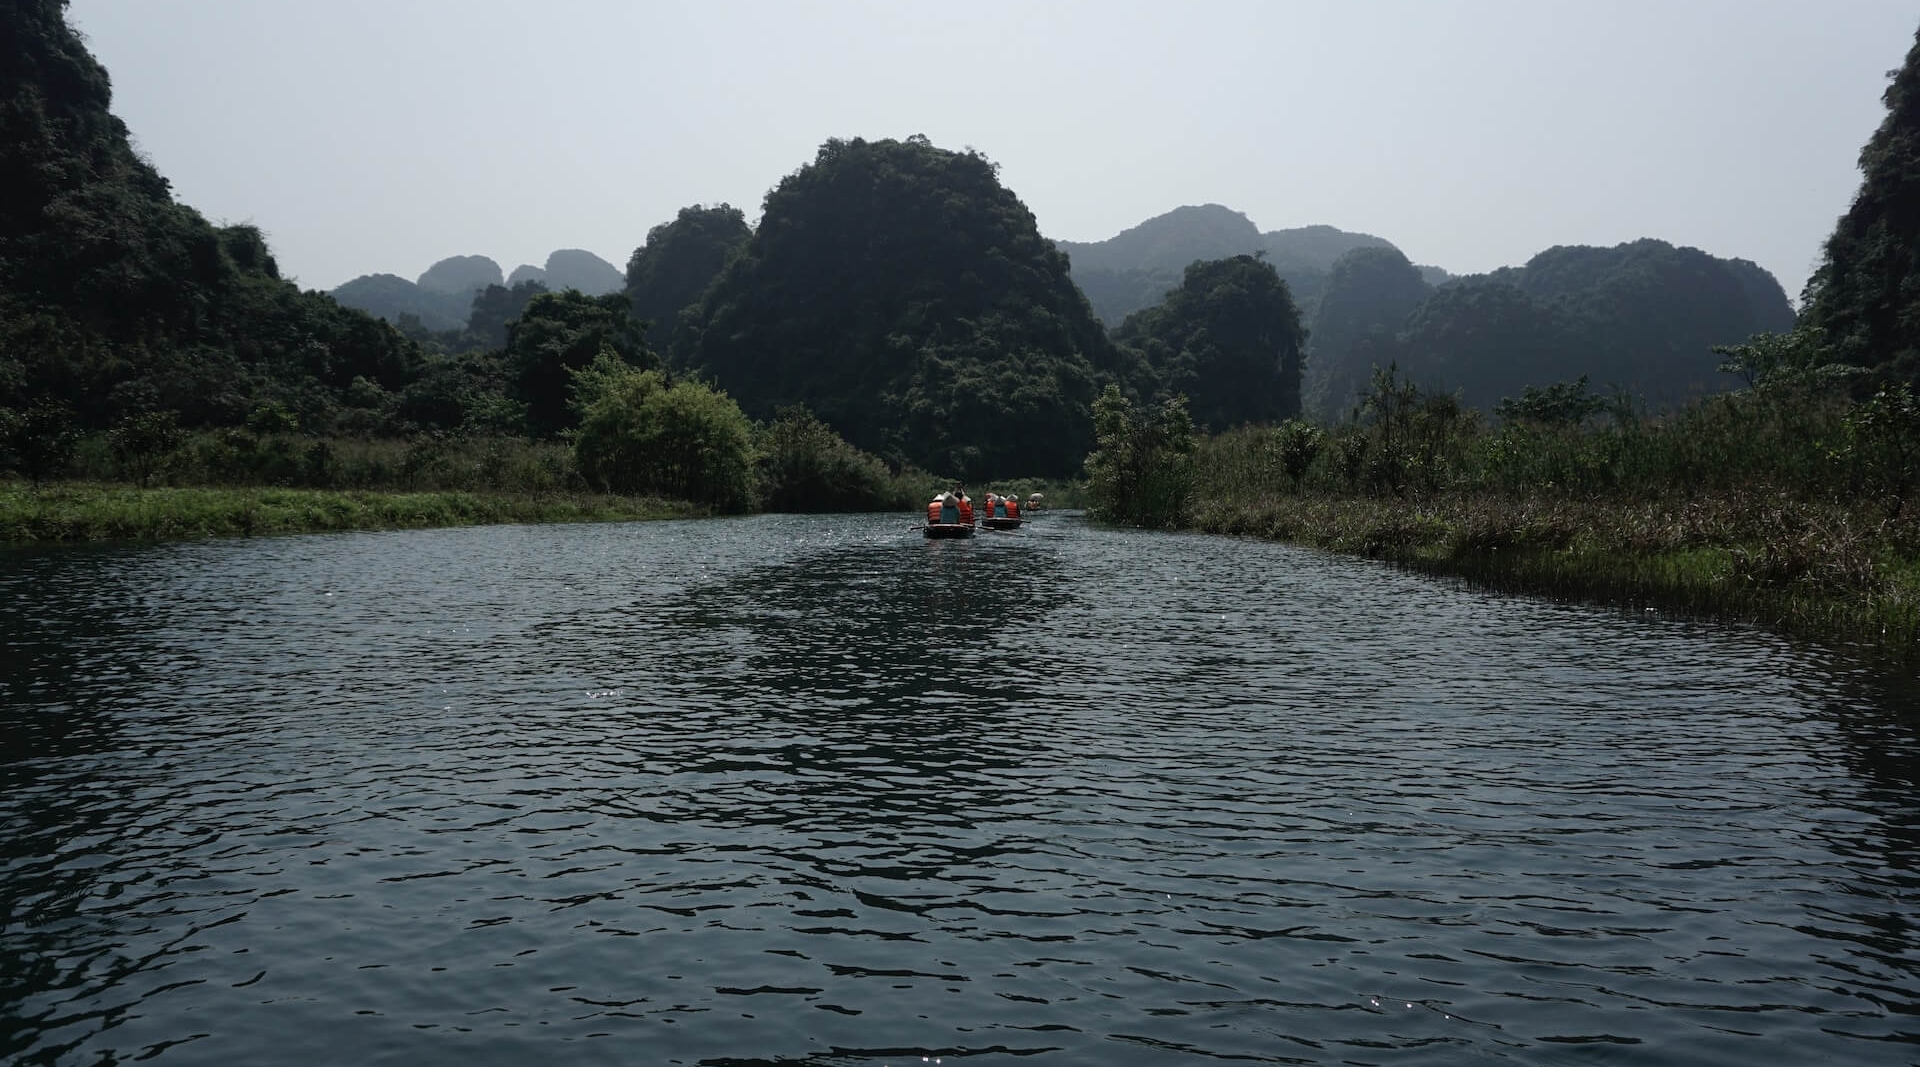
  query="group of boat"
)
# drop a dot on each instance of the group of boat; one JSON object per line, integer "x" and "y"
{"x": 953, "y": 515}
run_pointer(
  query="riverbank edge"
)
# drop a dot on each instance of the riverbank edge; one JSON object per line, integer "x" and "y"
{"x": 74, "y": 513}
{"x": 1799, "y": 571}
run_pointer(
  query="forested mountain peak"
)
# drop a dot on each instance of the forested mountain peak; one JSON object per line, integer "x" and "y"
{"x": 667, "y": 275}
{"x": 1866, "y": 293}
{"x": 461, "y": 274}
{"x": 117, "y": 301}
{"x": 443, "y": 298}
{"x": 1172, "y": 240}
{"x": 1135, "y": 268}
{"x": 577, "y": 268}
{"x": 907, "y": 297}
{"x": 1642, "y": 316}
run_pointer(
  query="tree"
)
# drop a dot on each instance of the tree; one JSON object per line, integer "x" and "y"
{"x": 1229, "y": 338}
{"x": 144, "y": 444}
{"x": 1141, "y": 472}
{"x": 496, "y": 306}
{"x": 640, "y": 433}
{"x": 39, "y": 441}
{"x": 804, "y": 467}
{"x": 558, "y": 334}
{"x": 1865, "y": 294}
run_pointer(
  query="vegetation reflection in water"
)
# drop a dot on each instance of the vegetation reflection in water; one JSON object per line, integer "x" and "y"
{"x": 782, "y": 790}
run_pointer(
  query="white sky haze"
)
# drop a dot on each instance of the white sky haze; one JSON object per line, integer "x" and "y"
{"x": 371, "y": 136}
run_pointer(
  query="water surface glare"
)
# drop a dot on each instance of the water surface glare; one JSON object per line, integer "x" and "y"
{"x": 797, "y": 790}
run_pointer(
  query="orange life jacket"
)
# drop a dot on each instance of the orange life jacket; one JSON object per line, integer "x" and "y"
{"x": 1013, "y": 508}
{"x": 966, "y": 511}
{"x": 933, "y": 513}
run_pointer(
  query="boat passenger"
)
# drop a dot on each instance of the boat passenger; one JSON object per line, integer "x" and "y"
{"x": 966, "y": 506}
{"x": 949, "y": 508}
{"x": 1011, "y": 505}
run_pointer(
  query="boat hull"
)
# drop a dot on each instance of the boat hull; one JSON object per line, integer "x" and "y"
{"x": 939, "y": 530}
{"x": 997, "y": 523}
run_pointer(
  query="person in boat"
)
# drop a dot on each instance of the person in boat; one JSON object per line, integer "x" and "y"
{"x": 966, "y": 506}
{"x": 1033, "y": 502}
{"x": 946, "y": 509}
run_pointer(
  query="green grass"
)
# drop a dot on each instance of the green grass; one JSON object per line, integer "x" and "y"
{"x": 76, "y": 512}
{"x": 1832, "y": 573}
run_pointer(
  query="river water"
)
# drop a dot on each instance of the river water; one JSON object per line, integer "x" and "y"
{"x": 784, "y": 790}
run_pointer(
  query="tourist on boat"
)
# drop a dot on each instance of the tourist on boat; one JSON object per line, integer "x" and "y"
{"x": 966, "y": 506}
{"x": 945, "y": 510}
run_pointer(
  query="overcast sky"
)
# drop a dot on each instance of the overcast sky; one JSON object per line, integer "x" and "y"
{"x": 373, "y": 136}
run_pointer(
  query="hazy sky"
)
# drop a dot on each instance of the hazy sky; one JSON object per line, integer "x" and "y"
{"x": 381, "y": 135}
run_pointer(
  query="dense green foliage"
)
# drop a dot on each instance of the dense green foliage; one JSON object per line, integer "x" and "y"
{"x": 902, "y": 294}
{"x": 1643, "y": 317}
{"x": 1141, "y": 472}
{"x": 1865, "y": 295}
{"x": 494, "y": 309}
{"x": 667, "y": 275}
{"x": 803, "y": 466}
{"x": 559, "y": 334}
{"x": 643, "y": 433}
{"x": 116, "y": 301}
{"x": 1228, "y": 339}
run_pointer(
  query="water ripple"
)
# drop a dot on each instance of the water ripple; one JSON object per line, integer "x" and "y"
{"x": 802, "y": 791}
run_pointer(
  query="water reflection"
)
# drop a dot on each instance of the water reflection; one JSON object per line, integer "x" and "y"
{"x": 776, "y": 790}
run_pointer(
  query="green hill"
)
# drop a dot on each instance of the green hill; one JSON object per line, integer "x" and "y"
{"x": 1865, "y": 295}
{"x": 906, "y": 296}
{"x": 1642, "y": 316}
{"x": 114, "y": 299}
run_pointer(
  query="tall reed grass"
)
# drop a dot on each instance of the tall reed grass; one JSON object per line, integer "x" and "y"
{"x": 1785, "y": 506}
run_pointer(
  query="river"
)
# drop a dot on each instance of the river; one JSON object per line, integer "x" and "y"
{"x": 785, "y": 790}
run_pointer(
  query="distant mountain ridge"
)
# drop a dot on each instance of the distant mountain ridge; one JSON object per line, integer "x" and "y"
{"x": 442, "y": 297}
{"x": 1136, "y": 267}
{"x": 1642, "y": 316}
{"x": 572, "y": 268}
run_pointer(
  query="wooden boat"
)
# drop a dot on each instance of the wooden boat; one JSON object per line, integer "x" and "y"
{"x": 948, "y": 529}
{"x": 1000, "y": 522}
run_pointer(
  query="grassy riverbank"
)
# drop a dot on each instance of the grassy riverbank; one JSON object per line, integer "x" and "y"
{"x": 76, "y": 512}
{"x": 1790, "y": 505}
{"x": 1818, "y": 571}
